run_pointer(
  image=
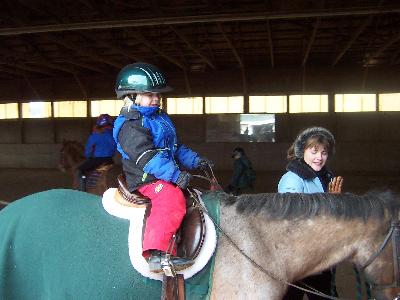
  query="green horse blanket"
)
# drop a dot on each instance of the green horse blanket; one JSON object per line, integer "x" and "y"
{"x": 62, "y": 244}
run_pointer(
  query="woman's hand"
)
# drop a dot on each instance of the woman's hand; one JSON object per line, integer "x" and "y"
{"x": 335, "y": 186}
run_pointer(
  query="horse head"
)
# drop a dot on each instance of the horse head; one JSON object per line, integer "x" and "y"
{"x": 382, "y": 269}
{"x": 71, "y": 155}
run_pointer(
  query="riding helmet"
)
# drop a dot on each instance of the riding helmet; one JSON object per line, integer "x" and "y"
{"x": 104, "y": 120}
{"x": 140, "y": 78}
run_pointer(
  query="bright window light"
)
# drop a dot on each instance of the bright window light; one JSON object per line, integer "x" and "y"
{"x": 308, "y": 103}
{"x": 232, "y": 104}
{"x": 111, "y": 107}
{"x": 389, "y": 102}
{"x": 9, "y": 111}
{"x": 68, "y": 109}
{"x": 190, "y": 106}
{"x": 36, "y": 110}
{"x": 355, "y": 102}
{"x": 268, "y": 104}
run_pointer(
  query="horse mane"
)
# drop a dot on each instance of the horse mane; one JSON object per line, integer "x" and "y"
{"x": 301, "y": 206}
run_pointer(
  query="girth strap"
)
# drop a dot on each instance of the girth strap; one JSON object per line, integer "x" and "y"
{"x": 173, "y": 288}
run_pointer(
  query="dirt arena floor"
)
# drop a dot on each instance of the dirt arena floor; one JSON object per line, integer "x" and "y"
{"x": 17, "y": 183}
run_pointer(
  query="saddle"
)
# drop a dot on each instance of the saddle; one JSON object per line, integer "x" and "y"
{"x": 92, "y": 176}
{"x": 190, "y": 236}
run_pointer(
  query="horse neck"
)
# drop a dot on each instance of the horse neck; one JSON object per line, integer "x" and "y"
{"x": 73, "y": 156}
{"x": 290, "y": 247}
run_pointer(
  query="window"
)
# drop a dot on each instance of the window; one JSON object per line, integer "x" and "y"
{"x": 111, "y": 107}
{"x": 192, "y": 105}
{"x": 389, "y": 102}
{"x": 308, "y": 103}
{"x": 65, "y": 109}
{"x": 9, "y": 111}
{"x": 231, "y": 104}
{"x": 269, "y": 104}
{"x": 355, "y": 102}
{"x": 36, "y": 110}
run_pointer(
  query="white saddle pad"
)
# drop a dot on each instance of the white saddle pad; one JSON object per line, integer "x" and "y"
{"x": 135, "y": 217}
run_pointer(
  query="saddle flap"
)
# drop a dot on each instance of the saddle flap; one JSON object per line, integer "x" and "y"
{"x": 191, "y": 233}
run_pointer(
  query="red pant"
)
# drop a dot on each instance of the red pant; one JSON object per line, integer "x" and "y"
{"x": 168, "y": 207}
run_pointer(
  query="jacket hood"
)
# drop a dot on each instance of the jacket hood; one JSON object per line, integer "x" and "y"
{"x": 302, "y": 138}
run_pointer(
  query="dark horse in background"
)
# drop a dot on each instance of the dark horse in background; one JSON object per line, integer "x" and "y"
{"x": 98, "y": 180}
{"x": 62, "y": 244}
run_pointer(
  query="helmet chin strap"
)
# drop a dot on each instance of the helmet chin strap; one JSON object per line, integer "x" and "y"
{"x": 129, "y": 100}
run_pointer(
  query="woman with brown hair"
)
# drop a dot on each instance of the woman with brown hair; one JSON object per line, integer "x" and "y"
{"x": 307, "y": 173}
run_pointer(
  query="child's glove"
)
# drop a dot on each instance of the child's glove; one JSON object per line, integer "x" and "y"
{"x": 204, "y": 163}
{"x": 183, "y": 180}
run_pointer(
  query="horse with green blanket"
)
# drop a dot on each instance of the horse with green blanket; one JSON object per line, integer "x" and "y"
{"x": 66, "y": 244}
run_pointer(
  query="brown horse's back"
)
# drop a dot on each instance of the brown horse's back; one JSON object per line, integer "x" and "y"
{"x": 103, "y": 178}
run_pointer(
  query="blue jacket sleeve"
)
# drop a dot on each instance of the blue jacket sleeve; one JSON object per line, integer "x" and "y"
{"x": 187, "y": 157}
{"x": 89, "y": 148}
{"x": 290, "y": 183}
{"x": 162, "y": 167}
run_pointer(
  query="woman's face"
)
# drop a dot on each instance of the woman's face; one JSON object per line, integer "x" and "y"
{"x": 148, "y": 99}
{"x": 316, "y": 156}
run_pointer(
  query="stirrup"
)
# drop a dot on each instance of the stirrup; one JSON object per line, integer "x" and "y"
{"x": 82, "y": 183}
{"x": 167, "y": 266}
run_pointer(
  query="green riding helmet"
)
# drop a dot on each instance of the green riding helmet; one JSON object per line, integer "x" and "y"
{"x": 140, "y": 78}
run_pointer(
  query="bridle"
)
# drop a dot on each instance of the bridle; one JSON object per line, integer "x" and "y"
{"x": 394, "y": 236}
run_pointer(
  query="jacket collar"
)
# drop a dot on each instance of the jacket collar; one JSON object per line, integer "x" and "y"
{"x": 299, "y": 167}
{"x": 146, "y": 110}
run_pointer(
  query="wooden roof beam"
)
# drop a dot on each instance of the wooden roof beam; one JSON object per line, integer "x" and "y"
{"x": 231, "y": 46}
{"x": 81, "y": 65}
{"x": 183, "y": 38}
{"x": 112, "y": 47}
{"x": 73, "y": 46}
{"x": 157, "y": 9}
{"x": 152, "y": 46}
{"x": 32, "y": 87}
{"x": 30, "y": 69}
{"x": 352, "y": 39}
{"x": 389, "y": 43}
{"x": 270, "y": 44}
{"x": 253, "y": 16}
{"x": 311, "y": 41}
{"x": 81, "y": 86}
{"x": 87, "y": 3}
{"x": 44, "y": 60}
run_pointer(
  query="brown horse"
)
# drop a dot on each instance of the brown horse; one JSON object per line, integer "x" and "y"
{"x": 98, "y": 180}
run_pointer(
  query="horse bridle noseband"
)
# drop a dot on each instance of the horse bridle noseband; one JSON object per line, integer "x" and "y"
{"x": 394, "y": 236}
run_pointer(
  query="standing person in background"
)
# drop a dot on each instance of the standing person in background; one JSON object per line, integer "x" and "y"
{"x": 152, "y": 160}
{"x": 307, "y": 173}
{"x": 100, "y": 148}
{"x": 243, "y": 176}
